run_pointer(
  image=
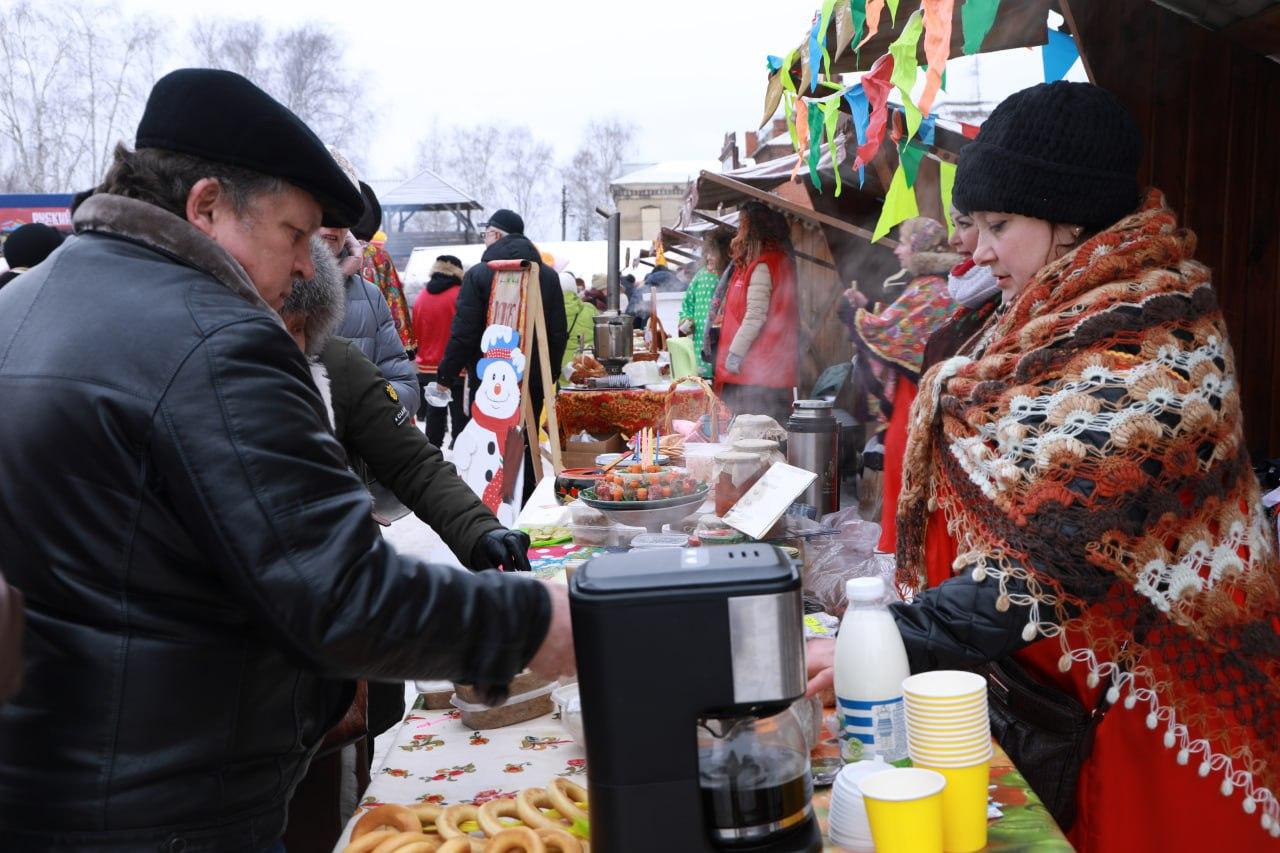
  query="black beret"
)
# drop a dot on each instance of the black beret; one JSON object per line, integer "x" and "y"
{"x": 507, "y": 220}
{"x": 221, "y": 116}
{"x": 371, "y": 221}
{"x": 30, "y": 244}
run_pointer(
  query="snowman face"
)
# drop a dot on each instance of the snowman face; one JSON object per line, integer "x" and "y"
{"x": 499, "y": 395}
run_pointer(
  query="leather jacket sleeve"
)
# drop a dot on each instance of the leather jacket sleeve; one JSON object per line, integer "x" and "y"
{"x": 956, "y": 625}
{"x": 241, "y": 447}
{"x": 400, "y": 456}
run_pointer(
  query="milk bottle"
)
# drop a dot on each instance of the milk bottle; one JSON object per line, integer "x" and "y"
{"x": 870, "y": 665}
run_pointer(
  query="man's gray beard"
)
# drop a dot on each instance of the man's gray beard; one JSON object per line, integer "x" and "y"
{"x": 322, "y": 300}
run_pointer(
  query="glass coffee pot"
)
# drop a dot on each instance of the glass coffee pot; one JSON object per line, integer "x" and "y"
{"x": 754, "y": 776}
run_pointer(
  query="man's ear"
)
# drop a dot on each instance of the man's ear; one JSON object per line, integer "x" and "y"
{"x": 200, "y": 204}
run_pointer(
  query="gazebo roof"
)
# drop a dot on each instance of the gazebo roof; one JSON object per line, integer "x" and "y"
{"x": 424, "y": 191}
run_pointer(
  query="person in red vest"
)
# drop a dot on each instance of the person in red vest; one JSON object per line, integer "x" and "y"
{"x": 433, "y": 312}
{"x": 756, "y": 364}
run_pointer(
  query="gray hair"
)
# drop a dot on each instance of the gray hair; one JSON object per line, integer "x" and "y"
{"x": 321, "y": 300}
{"x": 165, "y": 178}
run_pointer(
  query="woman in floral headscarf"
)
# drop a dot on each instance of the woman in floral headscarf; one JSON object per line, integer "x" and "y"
{"x": 890, "y": 346}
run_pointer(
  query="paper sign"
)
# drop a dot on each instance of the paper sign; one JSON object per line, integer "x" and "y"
{"x": 761, "y": 507}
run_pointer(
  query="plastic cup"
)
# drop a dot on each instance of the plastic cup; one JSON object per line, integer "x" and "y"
{"x": 965, "y": 718}
{"x": 970, "y": 710}
{"x": 904, "y": 808}
{"x": 928, "y": 759}
{"x": 949, "y": 746}
{"x": 964, "y": 806}
{"x": 944, "y": 685}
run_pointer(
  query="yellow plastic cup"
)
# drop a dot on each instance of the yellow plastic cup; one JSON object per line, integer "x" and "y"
{"x": 964, "y": 806}
{"x": 904, "y": 809}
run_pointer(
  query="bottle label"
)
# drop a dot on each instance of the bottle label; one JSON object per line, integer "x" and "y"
{"x": 868, "y": 729}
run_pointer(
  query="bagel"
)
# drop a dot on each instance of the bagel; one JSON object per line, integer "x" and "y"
{"x": 559, "y": 841}
{"x": 451, "y": 816}
{"x": 455, "y": 845}
{"x": 488, "y": 815}
{"x": 517, "y": 839}
{"x": 390, "y": 816}
{"x": 427, "y": 814}
{"x": 529, "y": 805}
{"x": 407, "y": 842}
{"x": 369, "y": 840}
{"x": 565, "y": 796}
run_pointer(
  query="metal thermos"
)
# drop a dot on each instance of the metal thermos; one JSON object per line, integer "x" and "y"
{"x": 813, "y": 443}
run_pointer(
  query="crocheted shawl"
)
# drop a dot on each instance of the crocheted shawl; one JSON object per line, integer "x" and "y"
{"x": 1095, "y": 451}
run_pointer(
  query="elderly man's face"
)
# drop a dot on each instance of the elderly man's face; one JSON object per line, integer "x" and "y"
{"x": 334, "y": 238}
{"x": 270, "y": 239}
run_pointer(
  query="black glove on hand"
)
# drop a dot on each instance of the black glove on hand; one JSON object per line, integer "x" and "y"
{"x": 504, "y": 549}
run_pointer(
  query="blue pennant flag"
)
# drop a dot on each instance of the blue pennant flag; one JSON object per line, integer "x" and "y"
{"x": 1059, "y": 55}
{"x": 815, "y": 53}
{"x": 861, "y": 112}
{"x": 925, "y": 133}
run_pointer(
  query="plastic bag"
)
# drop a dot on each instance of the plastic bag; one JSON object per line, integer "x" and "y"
{"x": 849, "y": 553}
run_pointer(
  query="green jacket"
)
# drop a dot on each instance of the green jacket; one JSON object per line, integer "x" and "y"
{"x": 375, "y": 428}
{"x": 579, "y": 318}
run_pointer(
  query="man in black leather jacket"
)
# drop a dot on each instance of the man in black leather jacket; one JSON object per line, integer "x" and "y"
{"x": 203, "y": 578}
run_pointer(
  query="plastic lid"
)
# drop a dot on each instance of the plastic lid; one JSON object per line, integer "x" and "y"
{"x": 864, "y": 589}
{"x": 814, "y": 404}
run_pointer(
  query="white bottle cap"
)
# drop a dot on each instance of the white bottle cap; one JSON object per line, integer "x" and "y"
{"x": 864, "y": 589}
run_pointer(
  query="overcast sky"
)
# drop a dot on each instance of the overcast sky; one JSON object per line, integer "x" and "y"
{"x": 684, "y": 71}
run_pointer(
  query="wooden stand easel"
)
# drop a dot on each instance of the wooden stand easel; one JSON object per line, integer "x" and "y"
{"x": 515, "y": 300}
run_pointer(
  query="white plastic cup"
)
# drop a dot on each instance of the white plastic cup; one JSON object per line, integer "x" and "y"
{"x": 440, "y": 398}
{"x": 944, "y": 685}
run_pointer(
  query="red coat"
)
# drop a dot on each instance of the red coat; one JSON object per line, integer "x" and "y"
{"x": 771, "y": 361}
{"x": 432, "y": 319}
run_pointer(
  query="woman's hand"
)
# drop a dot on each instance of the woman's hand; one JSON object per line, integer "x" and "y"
{"x": 856, "y": 297}
{"x": 820, "y": 656}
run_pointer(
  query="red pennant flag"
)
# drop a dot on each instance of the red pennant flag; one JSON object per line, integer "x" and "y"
{"x": 877, "y": 85}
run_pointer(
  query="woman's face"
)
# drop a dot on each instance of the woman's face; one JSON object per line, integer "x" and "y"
{"x": 904, "y": 253}
{"x": 964, "y": 239}
{"x": 1017, "y": 247}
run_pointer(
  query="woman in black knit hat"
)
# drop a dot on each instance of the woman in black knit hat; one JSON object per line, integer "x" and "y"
{"x": 1112, "y": 569}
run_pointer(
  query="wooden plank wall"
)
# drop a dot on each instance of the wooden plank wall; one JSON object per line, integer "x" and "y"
{"x": 823, "y": 339}
{"x": 1210, "y": 112}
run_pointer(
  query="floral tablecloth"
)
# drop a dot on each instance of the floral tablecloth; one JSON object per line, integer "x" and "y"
{"x": 625, "y": 410}
{"x": 435, "y": 759}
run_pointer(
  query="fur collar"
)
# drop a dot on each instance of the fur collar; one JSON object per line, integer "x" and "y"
{"x": 161, "y": 231}
{"x": 447, "y": 268}
{"x": 932, "y": 263}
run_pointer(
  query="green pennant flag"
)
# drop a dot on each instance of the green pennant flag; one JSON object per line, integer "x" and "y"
{"x": 830, "y": 117}
{"x": 911, "y": 155}
{"x": 906, "y": 67}
{"x": 899, "y": 205}
{"x": 858, "y": 8}
{"x": 893, "y": 11}
{"x": 828, "y": 6}
{"x": 815, "y": 143}
{"x": 977, "y": 16}
{"x": 947, "y": 178}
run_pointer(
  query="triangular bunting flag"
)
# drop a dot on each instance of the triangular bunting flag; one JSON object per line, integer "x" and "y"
{"x": 910, "y": 156}
{"x": 876, "y": 83}
{"x": 947, "y": 178}
{"x": 893, "y": 11}
{"x": 1059, "y": 55}
{"x": 899, "y": 205}
{"x": 937, "y": 47}
{"x": 976, "y": 17}
{"x": 906, "y": 66}
{"x": 874, "y": 8}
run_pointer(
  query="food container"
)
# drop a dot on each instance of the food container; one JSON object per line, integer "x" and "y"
{"x": 604, "y": 535}
{"x": 519, "y": 708}
{"x": 659, "y": 540}
{"x": 568, "y": 704}
{"x": 434, "y": 695}
{"x": 712, "y": 531}
{"x": 585, "y": 516}
{"x": 572, "y": 481}
{"x": 525, "y": 682}
{"x": 700, "y": 458}
{"x": 737, "y": 473}
{"x": 769, "y": 451}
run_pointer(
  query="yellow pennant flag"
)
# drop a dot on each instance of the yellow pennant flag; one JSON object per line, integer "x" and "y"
{"x": 947, "y": 178}
{"x": 899, "y": 204}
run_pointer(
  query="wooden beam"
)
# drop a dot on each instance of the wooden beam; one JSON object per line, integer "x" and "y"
{"x": 1080, "y": 45}
{"x": 1259, "y": 33}
{"x": 794, "y": 209}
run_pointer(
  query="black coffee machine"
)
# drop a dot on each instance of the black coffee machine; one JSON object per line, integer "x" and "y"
{"x": 688, "y": 660}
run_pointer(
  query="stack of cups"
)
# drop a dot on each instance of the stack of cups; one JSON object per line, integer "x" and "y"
{"x": 847, "y": 825}
{"x": 949, "y": 731}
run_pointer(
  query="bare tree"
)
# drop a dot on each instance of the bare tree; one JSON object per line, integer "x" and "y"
{"x": 76, "y": 77}
{"x": 303, "y": 67}
{"x": 605, "y": 146}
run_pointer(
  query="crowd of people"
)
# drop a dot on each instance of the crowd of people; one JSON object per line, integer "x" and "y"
{"x": 187, "y": 513}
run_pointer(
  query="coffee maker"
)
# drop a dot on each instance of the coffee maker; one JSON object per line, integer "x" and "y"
{"x": 688, "y": 660}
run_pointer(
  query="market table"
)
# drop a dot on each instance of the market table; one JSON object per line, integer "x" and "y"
{"x": 625, "y": 410}
{"x": 435, "y": 759}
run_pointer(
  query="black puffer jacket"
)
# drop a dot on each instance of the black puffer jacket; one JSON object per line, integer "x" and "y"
{"x": 201, "y": 570}
{"x": 463, "y": 350}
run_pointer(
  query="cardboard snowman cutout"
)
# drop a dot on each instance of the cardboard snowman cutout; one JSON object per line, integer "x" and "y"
{"x": 495, "y": 409}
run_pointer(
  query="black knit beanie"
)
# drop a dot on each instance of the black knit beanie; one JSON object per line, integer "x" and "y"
{"x": 1064, "y": 152}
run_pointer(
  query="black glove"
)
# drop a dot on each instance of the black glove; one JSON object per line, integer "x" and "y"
{"x": 504, "y": 549}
